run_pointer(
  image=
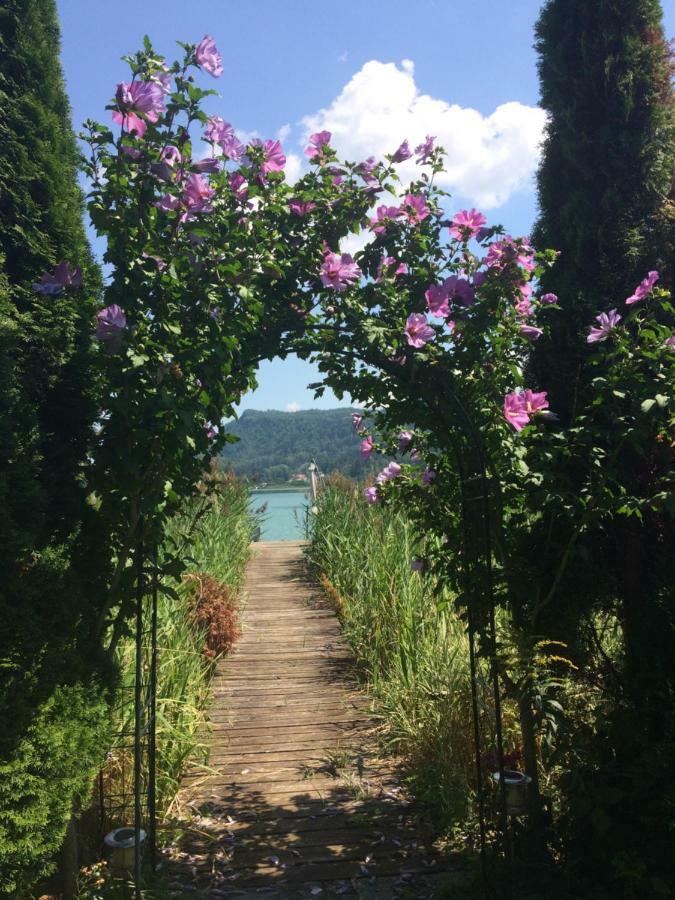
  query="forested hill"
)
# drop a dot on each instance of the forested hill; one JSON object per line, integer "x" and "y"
{"x": 274, "y": 445}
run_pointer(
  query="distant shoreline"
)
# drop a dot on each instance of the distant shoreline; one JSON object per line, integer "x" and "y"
{"x": 277, "y": 488}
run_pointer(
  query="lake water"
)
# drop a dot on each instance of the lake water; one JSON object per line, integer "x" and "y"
{"x": 284, "y": 517}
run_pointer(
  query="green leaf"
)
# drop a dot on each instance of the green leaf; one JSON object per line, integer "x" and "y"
{"x": 138, "y": 360}
{"x": 600, "y": 820}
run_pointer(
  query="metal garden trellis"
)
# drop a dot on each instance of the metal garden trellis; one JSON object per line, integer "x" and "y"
{"x": 478, "y": 584}
{"x": 144, "y": 733}
{"x": 138, "y": 742}
{"x": 473, "y": 470}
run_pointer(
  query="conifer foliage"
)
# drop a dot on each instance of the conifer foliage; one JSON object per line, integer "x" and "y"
{"x": 47, "y": 412}
{"x": 607, "y": 167}
{"x": 52, "y": 701}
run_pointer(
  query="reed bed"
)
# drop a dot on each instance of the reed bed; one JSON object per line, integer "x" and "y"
{"x": 412, "y": 650}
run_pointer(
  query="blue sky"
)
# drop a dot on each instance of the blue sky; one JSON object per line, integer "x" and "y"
{"x": 371, "y": 71}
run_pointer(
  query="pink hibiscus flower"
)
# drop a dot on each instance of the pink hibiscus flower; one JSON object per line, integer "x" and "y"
{"x": 208, "y": 57}
{"x": 301, "y": 207}
{"x": 520, "y": 406}
{"x": 366, "y": 447}
{"x": 197, "y": 194}
{"x": 111, "y": 324}
{"x": 425, "y": 149}
{"x": 414, "y": 208}
{"x": 389, "y": 472}
{"x": 643, "y": 289}
{"x": 370, "y": 495}
{"x": 383, "y": 216}
{"x": 338, "y": 270}
{"x": 466, "y": 224}
{"x": 316, "y": 144}
{"x": 64, "y": 275}
{"x": 606, "y": 323}
{"x": 404, "y": 440}
{"x": 385, "y": 268}
{"x": 402, "y": 153}
{"x": 139, "y": 103}
{"x": 437, "y": 300}
{"x": 418, "y": 331}
{"x": 274, "y": 157}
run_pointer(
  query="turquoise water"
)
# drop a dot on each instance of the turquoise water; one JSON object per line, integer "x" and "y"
{"x": 284, "y": 517}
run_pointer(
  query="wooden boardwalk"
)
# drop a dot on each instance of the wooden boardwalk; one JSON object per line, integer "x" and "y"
{"x": 296, "y": 801}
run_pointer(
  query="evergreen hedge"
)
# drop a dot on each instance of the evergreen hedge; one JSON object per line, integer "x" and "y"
{"x": 54, "y": 685}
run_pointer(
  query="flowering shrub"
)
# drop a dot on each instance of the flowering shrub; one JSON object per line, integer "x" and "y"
{"x": 214, "y": 260}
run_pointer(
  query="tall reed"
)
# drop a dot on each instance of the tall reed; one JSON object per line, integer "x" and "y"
{"x": 412, "y": 650}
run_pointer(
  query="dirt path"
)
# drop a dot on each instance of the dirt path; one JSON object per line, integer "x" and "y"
{"x": 296, "y": 801}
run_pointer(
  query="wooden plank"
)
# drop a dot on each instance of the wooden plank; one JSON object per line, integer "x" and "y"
{"x": 273, "y": 814}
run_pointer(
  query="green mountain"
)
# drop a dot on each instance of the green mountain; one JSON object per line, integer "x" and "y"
{"x": 273, "y": 446}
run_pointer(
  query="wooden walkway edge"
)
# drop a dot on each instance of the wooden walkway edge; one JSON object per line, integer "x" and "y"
{"x": 296, "y": 801}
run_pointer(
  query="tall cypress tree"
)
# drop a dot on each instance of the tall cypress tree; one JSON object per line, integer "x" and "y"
{"x": 606, "y": 203}
{"x": 51, "y": 700}
{"x": 44, "y": 432}
{"x": 606, "y": 177}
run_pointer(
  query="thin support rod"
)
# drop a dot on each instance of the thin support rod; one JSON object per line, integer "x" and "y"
{"x": 138, "y": 720}
{"x": 494, "y": 669}
{"x": 477, "y": 744}
{"x": 152, "y": 724}
{"x": 472, "y": 610}
{"x": 476, "y": 439}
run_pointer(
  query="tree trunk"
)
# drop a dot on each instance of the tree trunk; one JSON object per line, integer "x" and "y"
{"x": 69, "y": 861}
{"x": 535, "y": 821}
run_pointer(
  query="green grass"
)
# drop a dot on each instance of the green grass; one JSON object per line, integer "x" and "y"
{"x": 413, "y": 655}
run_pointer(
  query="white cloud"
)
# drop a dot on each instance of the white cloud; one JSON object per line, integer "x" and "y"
{"x": 293, "y": 167}
{"x": 353, "y": 243}
{"x": 488, "y": 157}
{"x": 283, "y": 132}
{"x": 247, "y": 136}
{"x": 293, "y": 407}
